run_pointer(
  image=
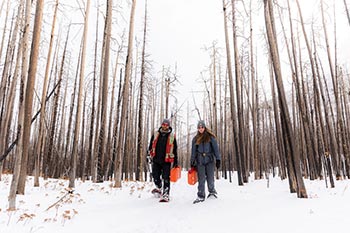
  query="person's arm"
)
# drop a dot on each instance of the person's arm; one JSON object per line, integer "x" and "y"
{"x": 216, "y": 148}
{"x": 193, "y": 152}
{"x": 175, "y": 153}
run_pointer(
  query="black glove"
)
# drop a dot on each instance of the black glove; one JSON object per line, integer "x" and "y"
{"x": 175, "y": 163}
{"x": 193, "y": 163}
{"x": 218, "y": 164}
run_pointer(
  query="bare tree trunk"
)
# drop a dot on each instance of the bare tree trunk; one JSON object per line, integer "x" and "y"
{"x": 73, "y": 166}
{"x": 43, "y": 102}
{"x": 91, "y": 161}
{"x": 215, "y": 111}
{"x": 238, "y": 75}
{"x": 119, "y": 156}
{"x": 7, "y": 109}
{"x": 232, "y": 100}
{"x": 340, "y": 124}
{"x": 18, "y": 159}
{"x": 285, "y": 119}
{"x": 140, "y": 139}
{"x": 53, "y": 126}
{"x": 109, "y": 150}
{"x": 28, "y": 104}
{"x": 105, "y": 74}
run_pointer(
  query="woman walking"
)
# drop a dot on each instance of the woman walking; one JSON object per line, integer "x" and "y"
{"x": 205, "y": 156}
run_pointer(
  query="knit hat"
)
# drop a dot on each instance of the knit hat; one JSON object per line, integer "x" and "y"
{"x": 166, "y": 122}
{"x": 201, "y": 123}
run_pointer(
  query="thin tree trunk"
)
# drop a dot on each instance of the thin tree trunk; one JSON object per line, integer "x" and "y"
{"x": 140, "y": 150}
{"x": 105, "y": 74}
{"x": 232, "y": 100}
{"x": 43, "y": 102}
{"x": 19, "y": 134}
{"x": 73, "y": 165}
{"x": 285, "y": 118}
{"x": 28, "y": 104}
{"x": 119, "y": 156}
{"x": 238, "y": 75}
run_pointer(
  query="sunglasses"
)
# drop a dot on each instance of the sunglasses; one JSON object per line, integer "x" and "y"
{"x": 165, "y": 125}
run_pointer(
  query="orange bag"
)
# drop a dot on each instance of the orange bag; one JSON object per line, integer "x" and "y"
{"x": 175, "y": 174}
{"x": 192, "y": 177}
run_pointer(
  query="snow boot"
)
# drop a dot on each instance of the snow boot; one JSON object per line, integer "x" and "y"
{"x": 212, "y": 195}
{"x": 164, "y": 198}
{"x": 199, "y": 199}
{"x": 156, "y": 192}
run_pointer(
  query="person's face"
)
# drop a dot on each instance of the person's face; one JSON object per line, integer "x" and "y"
{"x": 201, "y": 129}
{"x": 165, "y": 126}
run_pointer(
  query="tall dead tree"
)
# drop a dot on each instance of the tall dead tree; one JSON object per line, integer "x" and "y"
{"x": 90, "y": 163}
{"x": 342, "y": 141}
{"x": 285, "y": 118}
{"x": 19, "y": 133}
{"x": 104, "y": 90}
{"x": 232, "y": 100}
{"x": 28, "y": 102}
{"x": 140, "y": 139}
{"x": 7, "y": 102}
{"x": 118, "y": 163}
{"x": 302, "y": 105}
{"x": 240, "y": 110}
{"x": 51, "y": 147}
{"x": 41, "y": 138}
{"x": 73, "y": 163}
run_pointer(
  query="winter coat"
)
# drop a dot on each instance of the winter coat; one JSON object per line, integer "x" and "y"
{"x": 205, "y": 153}
{"x": 161, "y": 146}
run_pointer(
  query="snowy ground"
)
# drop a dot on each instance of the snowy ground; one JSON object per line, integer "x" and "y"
{"x": 253, "y": 208}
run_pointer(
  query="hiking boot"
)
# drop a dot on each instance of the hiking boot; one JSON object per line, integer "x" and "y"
{"x": 156, "y": 191}
{"x": 212, "y": 195}
{"x": 199, "y": 199}
{"x": 164, "y": 198}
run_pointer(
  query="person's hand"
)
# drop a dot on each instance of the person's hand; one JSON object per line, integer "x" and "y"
{"x": 218, "y": 164}
{"x": 149, "y": 159}
{"x": 193, "y": 163}
{"x": 175, "y": 164}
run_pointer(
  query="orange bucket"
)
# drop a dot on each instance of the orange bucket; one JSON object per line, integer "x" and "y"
{"x": 192, "y": 177}
{"x": 175, "y": 174}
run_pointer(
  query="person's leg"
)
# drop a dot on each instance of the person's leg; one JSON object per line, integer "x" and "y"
{"x": 210, "y": 171}
{"x": 201, "y": 181}
{"x": 156, "y": 172}
{"x": 166, "y": 177}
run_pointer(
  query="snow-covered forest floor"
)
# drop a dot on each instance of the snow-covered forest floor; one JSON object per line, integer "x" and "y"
{"x": 263, "y": 206}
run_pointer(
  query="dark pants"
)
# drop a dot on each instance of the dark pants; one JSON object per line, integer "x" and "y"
{"x": 163, "y": 170}
{"x": 206, "y": 173}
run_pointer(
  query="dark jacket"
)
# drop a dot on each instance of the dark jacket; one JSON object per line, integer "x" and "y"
{"x": 161, "y": 145}
{"x": 205, "y": 153}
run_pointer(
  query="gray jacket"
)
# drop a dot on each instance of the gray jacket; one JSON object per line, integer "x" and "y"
{"x": 205, "y": 153}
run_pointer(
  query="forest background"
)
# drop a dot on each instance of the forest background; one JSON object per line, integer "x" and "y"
{"x": 270, "y": 79}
